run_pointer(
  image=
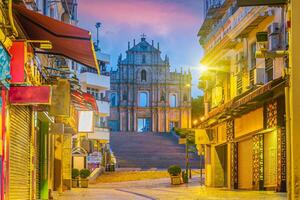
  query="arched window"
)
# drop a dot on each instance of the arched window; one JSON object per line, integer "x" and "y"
{"x": 143, "y": 75}
{"x": 113, "y": 99}
{"x": 143, "y": 99}
{"x": 144, "y": 59}
{"x": 185, "y": 98}
{"x": 173, "y": 101}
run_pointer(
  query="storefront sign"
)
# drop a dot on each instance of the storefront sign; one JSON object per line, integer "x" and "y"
{"x": 61, "y": 99}
{"x": 85, "y": 121}
{"x": 201, "y": 137}
{"x": 56, "y": 128}
{"x": 30, "y": 95}
{"x": 5, "y": 68}
{"x": 18, "y": 52}
{"x": 242, "y": 3}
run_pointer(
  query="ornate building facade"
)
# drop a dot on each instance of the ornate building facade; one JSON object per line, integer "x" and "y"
{"x": 244, "y": 121}
{"x": 145, "y": 95}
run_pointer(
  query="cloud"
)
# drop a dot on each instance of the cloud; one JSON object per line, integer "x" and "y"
{"x": 174, "y": 23}
{"x": 162, "y": 16}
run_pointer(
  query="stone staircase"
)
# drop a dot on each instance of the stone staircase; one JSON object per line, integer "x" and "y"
{"x": 149, "y": 150}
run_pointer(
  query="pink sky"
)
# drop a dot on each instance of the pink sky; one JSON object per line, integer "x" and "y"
{"x": 173, "y": 23}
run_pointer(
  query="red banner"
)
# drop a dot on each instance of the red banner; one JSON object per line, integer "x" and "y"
{"x": 30, "y": 95}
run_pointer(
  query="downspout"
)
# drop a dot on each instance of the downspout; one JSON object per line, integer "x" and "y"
{"x": 11, "y": 19}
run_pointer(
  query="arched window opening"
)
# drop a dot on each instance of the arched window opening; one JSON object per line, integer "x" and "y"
{"x": 143, "y": 99}
{"x": 185, "y": 98}
{"x": 173, "y": 101}
{"x": 143, "y": 75}
{"x": 113, "y": 99}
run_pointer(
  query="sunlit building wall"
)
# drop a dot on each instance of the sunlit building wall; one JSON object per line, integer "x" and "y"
{"x": 244, "y": 98}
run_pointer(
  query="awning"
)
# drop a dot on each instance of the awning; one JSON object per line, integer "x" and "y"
{"x": 67, "y": 40}
{"x": 84, "y": 101}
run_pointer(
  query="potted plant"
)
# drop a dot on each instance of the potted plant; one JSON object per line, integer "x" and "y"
{"x": 75, "y": 174}
{"x": 175, "y": 174}
{"x": 84, "y": 182}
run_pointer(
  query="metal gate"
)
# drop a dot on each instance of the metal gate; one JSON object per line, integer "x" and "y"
{"x": 270, "y": 159}
{"x": 19, "y": 153}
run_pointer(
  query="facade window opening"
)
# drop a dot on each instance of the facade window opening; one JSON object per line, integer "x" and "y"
{"x": 143, "y": 75}
{"x": 185, "y": 98}
{"x": 173, "y": 101}
{"x": 124, "y": 97}
{"x": 94, "y": 92}
{"x": 113, "y": 99}
{"x": 143, "y": 99}
{"x": 144, "y": 59}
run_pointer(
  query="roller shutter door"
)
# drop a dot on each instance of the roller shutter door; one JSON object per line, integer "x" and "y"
{"x": 245, "y": 164}
{"x": 19, "y": 153}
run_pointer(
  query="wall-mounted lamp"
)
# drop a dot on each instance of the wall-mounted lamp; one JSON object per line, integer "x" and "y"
{"x": 44, "y": 44}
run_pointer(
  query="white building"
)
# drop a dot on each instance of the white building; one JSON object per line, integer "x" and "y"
{"x": 97, "y": 85}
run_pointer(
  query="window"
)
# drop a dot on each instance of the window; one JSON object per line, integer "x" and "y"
{"x": 144, "y": 59}
{"x": 113, "y": 99}
{"x": 94, "y": 92}
{"x": 143, "y": 75}
{"x": 253, "y": 58}
{"x": 51, "y": 12}
{"x": 185, "y": 98}
{"x": 173, "y": 101}
{"x": 143, "y": 99}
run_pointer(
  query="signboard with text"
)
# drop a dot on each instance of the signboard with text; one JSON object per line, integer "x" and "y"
{"x": 242, "y": 3}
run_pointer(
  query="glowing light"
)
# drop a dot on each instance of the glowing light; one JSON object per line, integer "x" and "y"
{"x": 202, "y": 118}
{"x": 203, "y": 68}
{"x": 195, "y": 122}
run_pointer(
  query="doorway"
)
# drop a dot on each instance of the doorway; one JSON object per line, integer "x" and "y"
{"x": 143, "y": 125}
{"x": 221, "y": 165}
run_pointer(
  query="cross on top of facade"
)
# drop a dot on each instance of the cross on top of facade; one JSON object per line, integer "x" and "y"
{"x": 143, "y": 36}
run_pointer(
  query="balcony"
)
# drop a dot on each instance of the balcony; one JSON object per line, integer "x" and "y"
{"x": 237, "y": 24}
{"x": 102, "y": 134}
{"x": 103, "y": 107}
{"x": 94, "y": 80}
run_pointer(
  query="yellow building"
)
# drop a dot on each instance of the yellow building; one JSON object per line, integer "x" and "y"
{"x": 244, "y": 97}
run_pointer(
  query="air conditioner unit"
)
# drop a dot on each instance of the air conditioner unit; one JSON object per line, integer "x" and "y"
{"x": 274, "y": 29}
{"x": 274, "y": 36}
{"x": 259, "y": 76}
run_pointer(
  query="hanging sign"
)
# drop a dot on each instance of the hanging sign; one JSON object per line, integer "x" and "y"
{"x": 61, "y": 99}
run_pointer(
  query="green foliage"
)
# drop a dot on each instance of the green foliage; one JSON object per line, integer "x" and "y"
{"x": 197, "y": 107}
{"x": 183, "y": 133}
{"x": 75, "y": 173}
{"x": 174, "y": 170}
{"x": 84, "y": 173}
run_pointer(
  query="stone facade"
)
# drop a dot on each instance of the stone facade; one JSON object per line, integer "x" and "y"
{"x": 145, "y": 95}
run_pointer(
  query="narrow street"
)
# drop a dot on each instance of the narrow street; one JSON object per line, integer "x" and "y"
{"x": 162, "y": 189}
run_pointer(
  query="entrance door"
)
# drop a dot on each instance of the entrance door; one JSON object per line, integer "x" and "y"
{"x": 245, "y": 164}
{"x": 173, "y": 125}
{"x": 144, "y": 125}
{"x": 222, "y": 165}
{"x": 270, "y": 159}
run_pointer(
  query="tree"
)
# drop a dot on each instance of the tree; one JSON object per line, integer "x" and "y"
{"x": 197, "y": 107}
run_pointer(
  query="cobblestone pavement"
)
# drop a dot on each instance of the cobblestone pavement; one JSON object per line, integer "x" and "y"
{"x": 161, "y": 189}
